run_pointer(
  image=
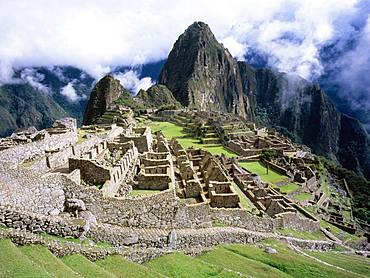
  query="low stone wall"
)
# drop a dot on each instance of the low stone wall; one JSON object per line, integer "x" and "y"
{"x": 38, "y": 223}
{"x": 241, "y": 218}
{"x": 13, "y": 156}
{"x": 293, "y": 220}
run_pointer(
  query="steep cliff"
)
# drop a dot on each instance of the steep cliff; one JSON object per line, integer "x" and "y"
{"x": 105, "y": 92}
{"x": 202, "y": 74}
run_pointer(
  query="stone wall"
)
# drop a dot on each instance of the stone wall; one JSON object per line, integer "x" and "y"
{"x": 241, "y": 218}
{"x": 37, "y": 223}
{"x": 14, "y": 156}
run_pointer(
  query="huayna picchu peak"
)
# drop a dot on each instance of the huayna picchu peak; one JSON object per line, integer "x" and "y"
{"x": 218, "y": 169}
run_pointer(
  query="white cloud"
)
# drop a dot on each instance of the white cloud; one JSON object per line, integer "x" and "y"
{"x": 98, "y": 35}
{"x": 32, "y": 77}
{"x": 130, "y": 80}
{"x": 70, "y": 93}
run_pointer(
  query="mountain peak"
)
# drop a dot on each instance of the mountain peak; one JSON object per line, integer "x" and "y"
{"x": 197, "y": 69}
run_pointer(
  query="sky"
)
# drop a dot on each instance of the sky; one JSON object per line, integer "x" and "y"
{"x": 97, "y": 35}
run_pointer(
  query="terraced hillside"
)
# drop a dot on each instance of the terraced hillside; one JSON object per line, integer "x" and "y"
{"x": 225, "y": 261}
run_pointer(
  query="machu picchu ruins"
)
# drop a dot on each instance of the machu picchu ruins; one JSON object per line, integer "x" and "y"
{"x": 191, "y": 177}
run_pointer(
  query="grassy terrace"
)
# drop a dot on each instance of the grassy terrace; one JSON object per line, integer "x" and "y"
{"x": 258, "y": 168}
{"x": 302, "y": 234}
{"x": 233, "y": 260}
{"x": 171, "y": 130}
{"x": 244, "y": 200}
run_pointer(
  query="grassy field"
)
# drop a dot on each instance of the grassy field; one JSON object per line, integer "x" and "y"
{"x": 13, "y": 263}
{"x": 302, "y": 234}
{"x": 233, "y": 260}
{"x": 171, "y": 130}
{"x": 248, "y": 267}
{"x": 351, "y": 262}
{"x": 122, "y": 268}
{"x": 288, "y": 188}
{"x": 180, "y": 265}
{"x": 257, "y": 168}
{"x": 288, "y": 261}
{"x": 84, "y": 267}
{"x": 43, "y": 257}
{"x": 304, "y": 196}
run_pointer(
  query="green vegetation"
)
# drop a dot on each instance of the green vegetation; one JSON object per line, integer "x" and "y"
{"x": 13, "y": 263}
{"x": 351, "y": 262}
{"x": 342, "y": 235}
{"x": 288, "y": 261}
{"x": 43, "y": 257}
{"x": 80, "y": 135}
{"x": 318, "y": 235}
{"x": 180, "y": 265}
{"x": 122, "y": 268}
{"x": 142, "y": 192}
{"x": 171, "y": 130}
{"x": 244, "y": 200}
{"x": 268, "y": 154}
{"x": 248, "y": 267}
{"x": 288, "y": 188}
{"x": 304, "y": 196}
{"x": 259, "y": 169}
{"x": 85, "y": 267}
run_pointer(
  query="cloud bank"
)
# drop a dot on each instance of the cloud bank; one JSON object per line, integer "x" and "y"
{"x": 99, "y": 35}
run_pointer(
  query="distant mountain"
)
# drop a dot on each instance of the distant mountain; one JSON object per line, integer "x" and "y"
{"x": 202, "y": 74}
{"x": 22, "y": 105}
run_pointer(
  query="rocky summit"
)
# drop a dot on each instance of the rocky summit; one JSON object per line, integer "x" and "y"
{"x": 216, "y": 171}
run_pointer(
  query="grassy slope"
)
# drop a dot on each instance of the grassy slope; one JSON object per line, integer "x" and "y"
{"x": 122, "y": 268}
{"x": 85, "y": 267}
{"x": 180, "y": 265}
{"x": 13, "y": 263}
{"x": 244, "y": 200}
{"x": 171, "y": 130}
{"x": 222, "y": 257}
{"x": 43, "y": 257}
{"x": 288, "y": 261}
{"x": 318, "y": 235}
{"x": 351, "y": 262}
{"x": 140, "y": 192}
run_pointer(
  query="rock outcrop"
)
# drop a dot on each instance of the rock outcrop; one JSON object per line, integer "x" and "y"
{"x": 157, "y": 96}
{"x": 202, "y": 74}
{"x": 105, "y": 92}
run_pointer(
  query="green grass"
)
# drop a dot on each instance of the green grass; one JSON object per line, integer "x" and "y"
{"x": 318, "y": 235}
{"x": 304, "y": 196}
{"x": 43, "y": 257}
{"x": 123, "y": 268}
{"x": 248, "y": 267}
{"x": 142, "y": 192}
{"x": 288, "y": 188}
{"x": 288, "y": 261}
{"x": 259, "y": 169}
{"x": 171, "y": 130}
{"x": 351, "y": 262}
{"x": 13, "y": 263}
{"x": 244, "y": 200}
{"x": 85, "y": 267}
{"x": 339, "y": 233}
{"x": 180, "y": 265}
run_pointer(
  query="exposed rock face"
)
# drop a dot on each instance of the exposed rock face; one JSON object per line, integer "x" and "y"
{"x": 303, "y": 111}
{"x": 157, "y": 96}
{"x": 202, "y": 74}
{"x": 105, "y": 92}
